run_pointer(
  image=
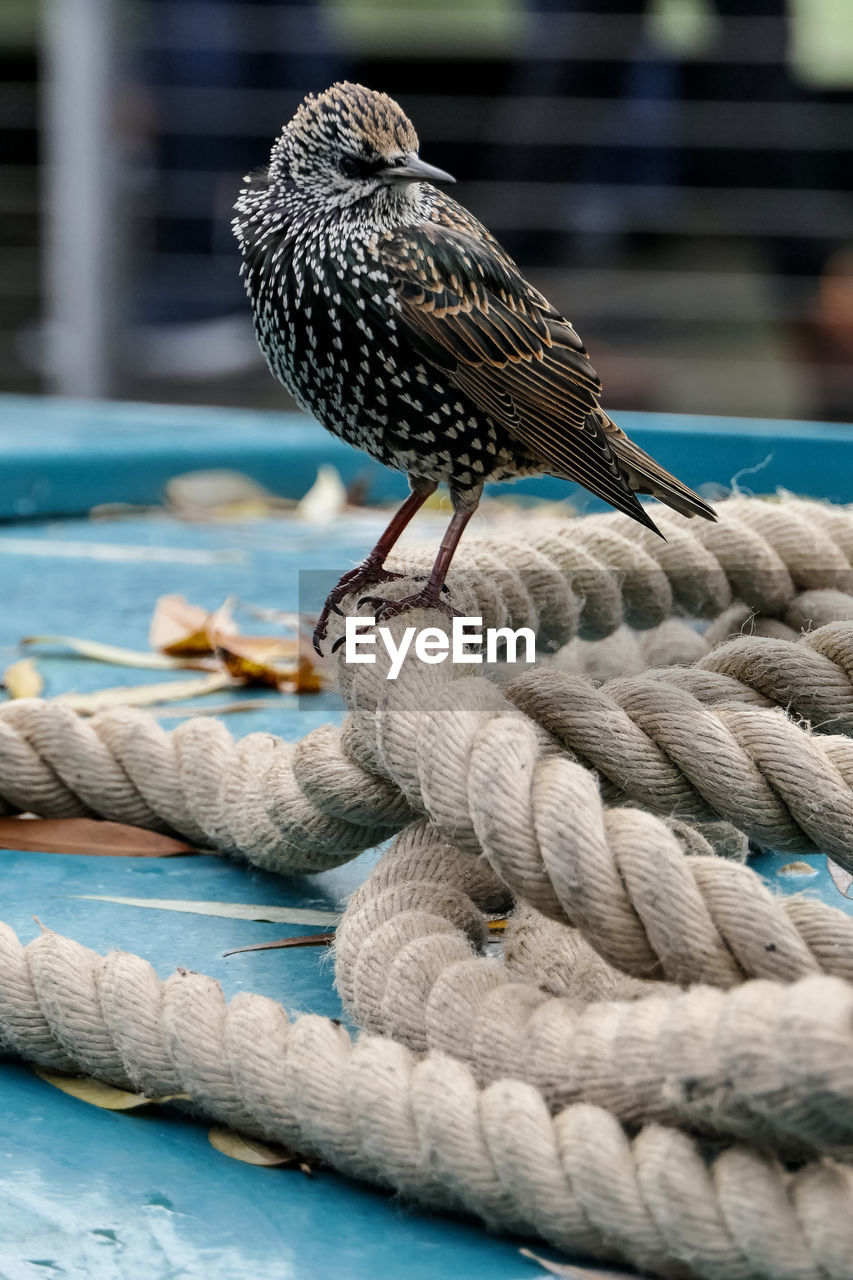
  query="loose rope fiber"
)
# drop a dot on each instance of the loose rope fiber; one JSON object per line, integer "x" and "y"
{"x": 656, "y": 1069}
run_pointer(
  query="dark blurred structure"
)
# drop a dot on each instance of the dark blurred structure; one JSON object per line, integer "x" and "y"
{"x": 675, "y": 174}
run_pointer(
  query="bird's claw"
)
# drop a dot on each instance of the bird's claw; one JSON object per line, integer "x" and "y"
{"x": 429, "y": 598}
{"x": 363, "y": 575}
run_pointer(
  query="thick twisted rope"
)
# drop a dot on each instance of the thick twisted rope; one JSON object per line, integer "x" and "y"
{"x": 310, "y": 804}
{"x": 306, "y": 805}
{"x": 718, "y": 754}
{"x": 490, "y": 781}
{"x": 422, "y": 1127}
{"x": 495, "y": 775}
{"x": 491, "y": 784}
{"x": 581, "y": 577}
{"x": 765, "y": 1062}
{"x": 675, "y": 643}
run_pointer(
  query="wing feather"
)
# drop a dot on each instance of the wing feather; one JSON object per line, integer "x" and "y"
{"x": 469, "y": 311}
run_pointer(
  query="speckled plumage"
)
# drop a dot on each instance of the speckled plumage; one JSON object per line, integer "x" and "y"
{"x": 395, "y": 318}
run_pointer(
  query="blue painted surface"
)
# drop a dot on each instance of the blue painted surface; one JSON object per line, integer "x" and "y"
{"x": 66, "y": 456}
{"x": 143, "y": 1196}
{"x": 86, "y": 1193}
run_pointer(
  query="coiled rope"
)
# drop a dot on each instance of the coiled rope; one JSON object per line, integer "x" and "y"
{"x": 572, "y": 1088}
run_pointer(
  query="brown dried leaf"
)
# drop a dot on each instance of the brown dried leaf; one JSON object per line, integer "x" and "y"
{"x": 22, "y": 679}
{"x": 270, "y": 661}
{"x": 99, "y": 1094}
{"x": 88, "y": 836}
{"x": 309, "y": 678}
{"x": 179, "y": 628}
{"x": 266, "y": 660}
{"x": 303, "y": 940}
{"x": 250, "y": 1150}
{"x": 840, "y": 878}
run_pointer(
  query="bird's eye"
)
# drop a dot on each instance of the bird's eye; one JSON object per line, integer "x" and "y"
{"x": 349, "y": 167}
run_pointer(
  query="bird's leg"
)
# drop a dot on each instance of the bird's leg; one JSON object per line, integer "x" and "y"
{"x": 371, "y": 570}
{"x": 429, "y": 597}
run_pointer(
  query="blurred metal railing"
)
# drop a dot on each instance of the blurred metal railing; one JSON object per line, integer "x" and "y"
{"x": 682, "y": 223}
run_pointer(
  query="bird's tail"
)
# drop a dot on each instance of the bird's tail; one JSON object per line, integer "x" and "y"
{"x": 644, "y": 475}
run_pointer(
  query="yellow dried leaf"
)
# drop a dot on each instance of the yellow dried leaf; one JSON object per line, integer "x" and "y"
{"x": 99, "y": 1094}
{"x": 179, "y": 628}
{"x": 249, "y": 1150}
{"x": 267, "y": 660}
{"x": 309, "y": 678}
{"x": 144, "y": 695}
{"x": 22, "y": 679}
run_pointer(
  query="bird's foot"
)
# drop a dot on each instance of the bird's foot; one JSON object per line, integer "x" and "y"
{"x": 383, "y": 610}
{"x": 366, "y": 574}
{"x": 428, "y": 597}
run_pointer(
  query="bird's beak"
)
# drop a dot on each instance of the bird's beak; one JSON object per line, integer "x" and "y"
{"x": 414, "y": 169}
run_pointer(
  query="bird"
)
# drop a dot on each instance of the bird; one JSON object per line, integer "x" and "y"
{"x": 393, "y": 316}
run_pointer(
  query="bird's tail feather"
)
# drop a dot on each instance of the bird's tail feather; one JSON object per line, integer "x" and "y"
{"x": 644, "y": 475}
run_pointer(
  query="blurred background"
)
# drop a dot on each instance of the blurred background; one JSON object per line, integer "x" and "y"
{"x": 675, "y": 174}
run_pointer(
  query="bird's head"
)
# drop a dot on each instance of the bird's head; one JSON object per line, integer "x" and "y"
{"x": 349, "y": 145}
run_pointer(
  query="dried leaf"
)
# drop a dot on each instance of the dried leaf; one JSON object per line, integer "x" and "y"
{"x": 272, "y": 661}
{"x": 840, "y": 878}
{"x": 22, "y": 679}
{"x": 309, "y": 678}
{"x": 326, "y": 498}
{"x": 228, "y": 910}
{"x": 179, "y": 628}
{"x": 303, "y": 940}
{"x": 221, "y": 494}
{"x": 112, "y": 653}
{"x": 218, "y": 709}
{"x": 99, "y": 1094}
{"x": 266, "y": 660}
{"x": 145, "y": 695}
{"x": 570, "y": 1271}
{"x": 88, "y": 836}
{"x": 250, "y": 1150}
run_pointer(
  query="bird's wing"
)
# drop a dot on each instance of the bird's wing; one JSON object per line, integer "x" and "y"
{"x": 467, "y": 310}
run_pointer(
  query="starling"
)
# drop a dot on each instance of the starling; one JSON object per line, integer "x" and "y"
{"x": 394, "y": 317}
